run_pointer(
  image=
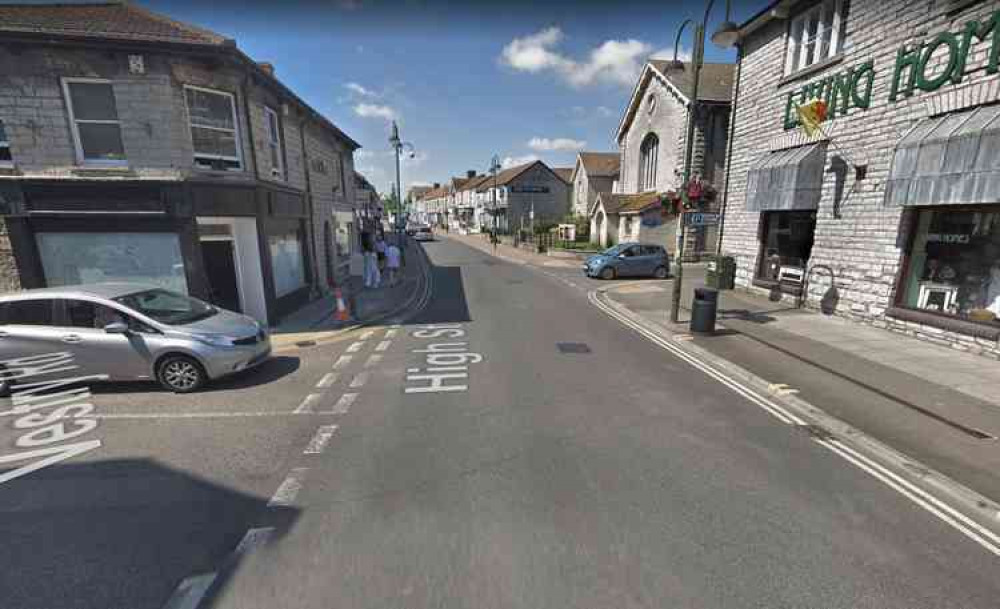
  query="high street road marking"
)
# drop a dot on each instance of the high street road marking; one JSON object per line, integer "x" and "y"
{"x": 307, "y": 403}
{"x": 320, "y": 440}
{"x": 342, "y": 361}
{"x": 382, "y": 346}
{"x": 289, "y": 489}
{"x": 359, "y": 380}
{"x": 447, "y": 362}
{"x": 328, "y": 379}
{"x": 372, "y": 360}
{"x": 355, "y": 347}
{"x": 192, "y": 415}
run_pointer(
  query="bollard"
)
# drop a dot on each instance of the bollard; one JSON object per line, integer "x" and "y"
{"x": 703, "y": 310}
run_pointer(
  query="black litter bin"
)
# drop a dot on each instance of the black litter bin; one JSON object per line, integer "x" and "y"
{"x": 704, "y": 309}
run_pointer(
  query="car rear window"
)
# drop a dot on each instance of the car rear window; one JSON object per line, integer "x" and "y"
{"x": 27, "y": 313}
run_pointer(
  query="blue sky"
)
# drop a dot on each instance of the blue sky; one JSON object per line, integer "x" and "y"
{"x": 518, "y": 79}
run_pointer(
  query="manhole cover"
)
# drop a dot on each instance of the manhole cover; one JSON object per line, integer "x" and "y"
{"x": 573, "y": 347}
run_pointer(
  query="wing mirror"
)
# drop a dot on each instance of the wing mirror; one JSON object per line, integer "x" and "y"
{"x": 622, "y": 256}
{"x": 116, "y": 327}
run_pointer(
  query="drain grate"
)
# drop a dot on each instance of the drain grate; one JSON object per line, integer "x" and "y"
{"x": 573, "y": 347}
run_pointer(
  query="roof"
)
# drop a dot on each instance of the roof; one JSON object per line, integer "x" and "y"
{"x": 474, "y": 183}
{"x": 714, "y": 84}
{"x": 624, "y": 204}
{"x": 511, "y": 173}
{"x": 100, "y": 290}
{"x": 434, "y": 193}
{"x": 566, "y": 173}
{"x": 118, "y": 20}
{"x": 601, "y": 164}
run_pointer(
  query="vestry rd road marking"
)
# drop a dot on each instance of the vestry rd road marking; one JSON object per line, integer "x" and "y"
{"x": 355, "y": 347}
{"x": 382, "y": 346}
{"x": 307, "y": 404}
{"x": 342, "y": 361}
{"x": 319, "y": 441}
{"x": 289, "y": 489}
{"x": 343, "y": 404}
{"x": 328, "y": 379}
{"x": 359, "y": 380}
{"x": 372, "y": 360}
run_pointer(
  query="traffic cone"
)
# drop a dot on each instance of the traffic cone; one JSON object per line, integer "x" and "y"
{"x": 342, "y": 314}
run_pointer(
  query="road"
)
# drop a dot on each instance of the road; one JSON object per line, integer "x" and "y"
{"x": 508, "y": 446}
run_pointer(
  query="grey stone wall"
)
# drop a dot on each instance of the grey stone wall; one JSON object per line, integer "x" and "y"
{"x": 549, "y": 207}
{"x": 10, "y": 279}
{"x": 667, "y": 121}
{"x": 857, "y": 237}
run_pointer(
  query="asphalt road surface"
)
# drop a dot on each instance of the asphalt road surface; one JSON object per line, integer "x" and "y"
{"x": 509, "y": 446}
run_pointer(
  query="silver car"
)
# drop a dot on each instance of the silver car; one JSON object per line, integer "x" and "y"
{"x": 132, "y": 331}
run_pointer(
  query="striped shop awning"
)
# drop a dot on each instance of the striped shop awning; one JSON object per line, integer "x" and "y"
{"x": 790, "y": 179}
{"x": 948, "y": 159}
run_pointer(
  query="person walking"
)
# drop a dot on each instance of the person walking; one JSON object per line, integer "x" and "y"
{"x": 392, "y": 256}
{"x": 372, "y": 276}
{"x": 380, "y": 252}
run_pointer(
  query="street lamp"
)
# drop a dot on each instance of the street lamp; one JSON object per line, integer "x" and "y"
{"x": 728, "y": 31}
{"x": 494, "y": 168}
{"x": 398, "y": 147}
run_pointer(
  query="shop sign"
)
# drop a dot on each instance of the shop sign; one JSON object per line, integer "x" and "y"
{"x": 701, "y": 219}
{"x": 528, "y": 188}
{"x": 916, "y": 69}
{"x": 944, "y": 238}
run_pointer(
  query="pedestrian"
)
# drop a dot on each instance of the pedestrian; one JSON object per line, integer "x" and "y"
{"x": 380, "y": 251}
{"x": 392, "y": 256}
{"x": 372, "y": 277}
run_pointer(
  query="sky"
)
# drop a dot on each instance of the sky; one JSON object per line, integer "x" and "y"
{"x": 464, "y": 80}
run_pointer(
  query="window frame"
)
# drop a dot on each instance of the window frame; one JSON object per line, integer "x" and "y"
{"x": 74, "y": 123}
{"x": 275, "y": 145}
{"x": 237, "y": 136}
{"x": 796, "y": 41}
{"x": 5, "y": 143}
{"x": 5, "y": 312}
{"x": 648, "y": 162}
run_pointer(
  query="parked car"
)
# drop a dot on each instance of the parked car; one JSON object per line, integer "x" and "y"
{"x": 132, "y": 332}
{"x": 424, "y": 233}
{"x": 629, "y": 260}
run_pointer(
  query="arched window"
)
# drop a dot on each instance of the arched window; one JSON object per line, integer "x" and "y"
{"x": 647, "y": 162}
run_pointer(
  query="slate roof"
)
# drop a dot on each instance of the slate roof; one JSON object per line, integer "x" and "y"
{"x": 507, "y": 175}
{"x": 715, "y": 83}
{"x": 624, "y": 204}
{"x": 601, "y": 164}
{"x": 476, "y": 182}
{"x": 566, "y": 173}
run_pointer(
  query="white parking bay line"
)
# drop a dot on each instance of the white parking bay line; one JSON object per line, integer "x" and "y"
{"x": 355, "y": 347}
{"x": 289, "y": 489}
{"x": 328, "y": 379}
{"x": 343, "y": 404}
{"x": 359, "y": 380}
{"x": 372, "y": 360}
{"x": 319, "y": 441}
{"x": 186, "y": 415}
{"x": 307, "y": 404}
{"x": 342, "y": 361}
{"x": 382, "y": 346}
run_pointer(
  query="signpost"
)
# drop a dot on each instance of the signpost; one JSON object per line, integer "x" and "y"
{"x": 701, "y": 218}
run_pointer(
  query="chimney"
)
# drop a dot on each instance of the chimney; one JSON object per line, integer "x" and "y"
{"x": 470, "y": 173}
{"x": 267, "y": 67}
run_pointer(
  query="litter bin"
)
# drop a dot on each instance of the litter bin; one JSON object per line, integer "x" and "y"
{"x": 703, "y": 310}
{"x": 721, "y": 273}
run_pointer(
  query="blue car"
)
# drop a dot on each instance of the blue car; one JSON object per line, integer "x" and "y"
{"x": 629, "y": 260}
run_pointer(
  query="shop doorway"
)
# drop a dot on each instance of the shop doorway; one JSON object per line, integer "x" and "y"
{"x": 218, "y": 256}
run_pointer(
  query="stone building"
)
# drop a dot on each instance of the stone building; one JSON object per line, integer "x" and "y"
{"x": 890, "y": 214}
{"x": 137, "y": 148}
{"x": 593, "y": 173}
{"x": 526, "y": 193}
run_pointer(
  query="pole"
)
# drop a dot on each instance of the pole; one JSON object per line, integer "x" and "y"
{"x": 699, "y": 50}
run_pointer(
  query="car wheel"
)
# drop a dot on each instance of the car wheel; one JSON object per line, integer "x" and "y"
{"x": 181, "y": 374}
{"x": 660, "y": 272}
{"x": 607, "y": 273}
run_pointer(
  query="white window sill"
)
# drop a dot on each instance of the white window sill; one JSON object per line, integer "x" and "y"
{"x": 819, "y": 66}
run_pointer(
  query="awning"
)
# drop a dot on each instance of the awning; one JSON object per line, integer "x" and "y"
{"x": 949, "y": 159}
{"x": 787, "y": 179}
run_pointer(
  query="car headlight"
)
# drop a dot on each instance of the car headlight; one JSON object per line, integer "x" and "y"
{"x": 216, "y": 340}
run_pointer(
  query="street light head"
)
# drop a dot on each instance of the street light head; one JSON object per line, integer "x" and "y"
{"x": 727, "y": 35}
{"x": 675, "y": 65}
{"x": 413, "y": 154}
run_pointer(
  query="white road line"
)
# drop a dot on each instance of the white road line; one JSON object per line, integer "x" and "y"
{"x": 188, "y": 415}
{"x": 344, "y": 403}
{"x": 289, "y": 489}
{"x": 252, "y": 539}
{"x": 391, "y": 333}
{"x": 372, "y": 360}
{"x": 307, "y": 403}
{"x": 342, "y": 361}
{"x": 189, "y": 592}
{"x": 355, "y": 347}
{"x": 382, "y": 346}
{"x": 359, "y": 380}
{"x": 319, "y": 441}
{"x": 367, "y": 334}
{"x": 328, "y": 379}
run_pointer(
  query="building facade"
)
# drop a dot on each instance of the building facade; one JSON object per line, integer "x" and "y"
{"x": 526, "y": 195}
{"x": 141, "y": 149}
{"x": 593, "y": 173}
{"x": 890, "y": 213}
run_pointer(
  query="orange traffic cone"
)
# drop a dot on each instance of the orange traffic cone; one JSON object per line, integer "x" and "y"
{"x": 342, "y": 314}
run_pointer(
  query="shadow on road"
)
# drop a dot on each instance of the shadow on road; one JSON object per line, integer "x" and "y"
{"x": 273, "y": 369}
{"x": 448, "y": 303}
{"x": 119, "y": 533}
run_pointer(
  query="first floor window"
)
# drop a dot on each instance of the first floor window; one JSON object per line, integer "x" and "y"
{"x": 93, "y": 117}
{"x": 287, "y": 262}
{"x": 212, "y": 116}
{"x": 814, "y": 35}
{"x": 274, "y": 143}
{"x": 954, "y": 263}
{"x": 5, "y": 157}
{"x": 786, "y": 242}
{"x": 648, "y": 153}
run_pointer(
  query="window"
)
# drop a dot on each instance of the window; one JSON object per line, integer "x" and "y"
{"x": 5, "y": 157}
{"x": 86, "y": 314}
{"x": 647, "y": 162}
{"x": 652, "y": 250}
{"x": 815, "y": 35}
{"x": 213, "y": 129}
{"x": 787, "y": 241}
{"x": 954, "y": 264}
{"x": 651, "y": 103}
{"x": 93, "y": 116}
{"x": 274, "y": 143}
{"x": 168, "y": 307}
{"x": 28, "y": 313}
{"x": 287, "y": 263}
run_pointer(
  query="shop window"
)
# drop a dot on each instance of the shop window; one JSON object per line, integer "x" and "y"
{"x": 287, "y": 263}
{"x": 5, "y": 157}
{"x": 93, "y": 116}
{"x": 274, "y": 143}
{"x": 815, "y": 35}
{"x": 787, "y": 240}
{"x": 954, "y": 264}
{"x": 647, "y": 162}
{"x": 214, "y": 135}
{"x": 150, "y": 258}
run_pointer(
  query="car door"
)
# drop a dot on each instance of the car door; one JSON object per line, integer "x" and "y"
{"x": 120, "y": 356}
{"x": 26, "y": 329}
{"x": 629, "y": 263}
{"x": 650, "y": 259}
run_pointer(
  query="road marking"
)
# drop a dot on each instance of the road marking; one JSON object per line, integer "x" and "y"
{"x": 355, "y": 347}
{"x": 190, "y": 592}
{"x": 191, "y": 415}
{"x": 367, "y": 334}
{"x": 391, "y": 333}
{"x": 343, "y": 404}
{"x": 307, "y": 403}
{"x": 328, "y": 379}
{"x": 252, "y": 539}
{"x": 289, "y": 488}
{"x": 342, "y": 361}
{"x": 382, "y": 346}
{"x": 372, "y": 360}
{"x": 319, "y": 441}
{"x": 359, "y": 380}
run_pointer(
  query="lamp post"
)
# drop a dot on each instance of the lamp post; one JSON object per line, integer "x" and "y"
{"x": 725, "y": 35}
{"x": 494, "y": 168}
{"x": 398, "y": 147}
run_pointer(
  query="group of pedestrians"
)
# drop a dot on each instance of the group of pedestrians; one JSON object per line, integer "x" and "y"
{"x": 380, "y": 258}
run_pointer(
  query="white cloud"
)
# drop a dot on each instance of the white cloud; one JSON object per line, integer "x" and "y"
{"x": 360, "y": 90}
{"x": 613, "y": 61}
{"x": 668, "y": 53}
{"x": 511, "y": 161}
{"x": 559, "y": 143}
{"x": 375, "y": 111}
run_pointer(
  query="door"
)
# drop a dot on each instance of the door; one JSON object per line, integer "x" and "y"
{"x": 120, "y": 356}
{"x": 220, "y": 269}
{"x": 27, "y": 329}
{"x": 630, "y": 262}
{"x": 650, "y": 257}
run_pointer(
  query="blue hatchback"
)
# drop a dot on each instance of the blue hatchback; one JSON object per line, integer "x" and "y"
{"x": 629, "y": 260}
